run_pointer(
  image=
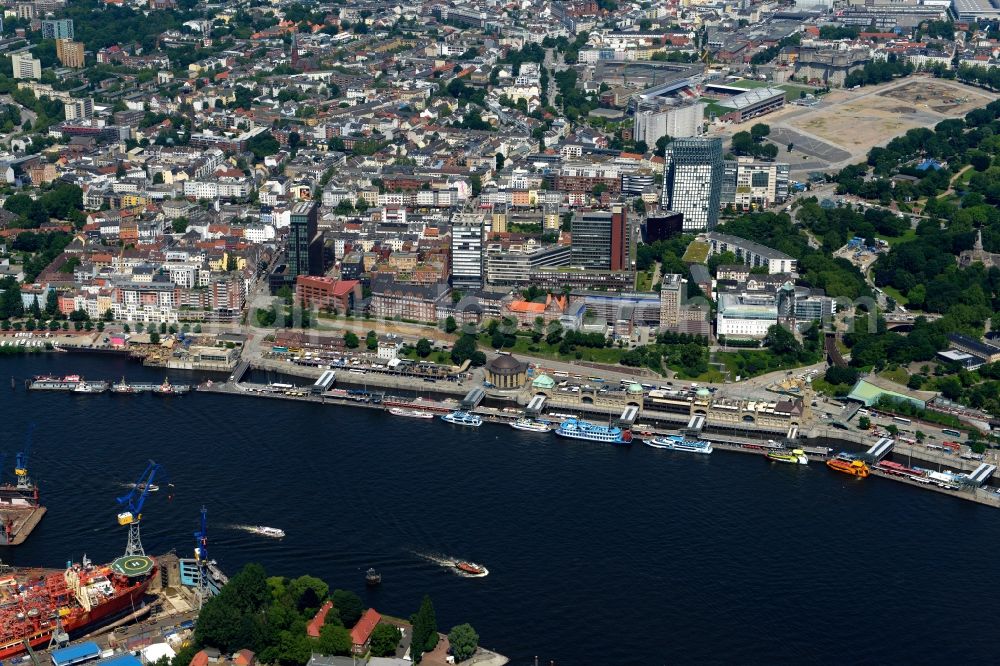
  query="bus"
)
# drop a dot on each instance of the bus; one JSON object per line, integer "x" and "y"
{"x": 951, "y": 433}
{"x": 900, "y": 419}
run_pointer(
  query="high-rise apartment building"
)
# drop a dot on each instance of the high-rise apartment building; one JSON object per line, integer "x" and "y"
{"x": 659, "y": 118}
{"x": 602, "y": 239}
{"x": 57, "y": 29}
{"x": 79, "y": 108}
{"x": 25, "y": 66}
{"x": 751, "y": 185}
{"x": 70, "y": 53}
{"x": 305, "y": 246}
{"x": 467, "y": 231}
{"x": 692, "y": 181}
{"x": 677, "y": 314}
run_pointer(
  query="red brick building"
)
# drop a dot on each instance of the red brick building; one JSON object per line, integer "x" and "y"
{"x": 327, "y": 293}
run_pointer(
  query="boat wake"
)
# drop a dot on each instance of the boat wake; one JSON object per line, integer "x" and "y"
{"x": 260, "y": 530}
{"x": 462, "y": 568}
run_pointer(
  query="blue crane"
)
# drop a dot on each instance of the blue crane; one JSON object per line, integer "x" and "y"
{"x": 132, "y": 503}
{"x": 21, "y": 461}
{"x": 201, "y": 556}
{"x": 201, "y": 539}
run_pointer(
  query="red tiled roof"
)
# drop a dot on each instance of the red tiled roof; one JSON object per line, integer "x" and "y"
{"x": 362, "y": 631}
{"x": 315, "y": 624}
{"x": 344, "y": 287}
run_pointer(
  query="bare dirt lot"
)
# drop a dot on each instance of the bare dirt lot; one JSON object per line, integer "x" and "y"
{"x": 944, "y": 97}
{"x": 848, "y": 123}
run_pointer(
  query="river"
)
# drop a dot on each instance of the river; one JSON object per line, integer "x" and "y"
{"x": 596, "y": 554}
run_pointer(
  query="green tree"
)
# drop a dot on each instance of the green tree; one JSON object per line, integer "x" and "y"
{"x": 385, "y": 640}
{"x": 450, "y": 325}
{"x": 334, "y": 639}
{"x": 371, "y": 341}
{"x": 464, "y": 641}
{"x": 262, "y": 145}
{"x": 423, "y": 348}
{"x": 351, "y": 340}
{"x": 500, "y": 159}
{"x": 864, "y": 423}
{"x": 892, "y": 429}
{"x": 154, "y": 337}
{"x": 424, "y": 636}
{"x": 348, "y": 605}
{"x": 759, "y": 130}
{"x": 180, "y": 224}
{"x": 51, "y": 303}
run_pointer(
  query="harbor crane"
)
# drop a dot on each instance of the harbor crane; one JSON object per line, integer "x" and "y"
{"x": 201, "y": 556}
{"x": 132, "y": 502}
{"x": 21, "y": 462}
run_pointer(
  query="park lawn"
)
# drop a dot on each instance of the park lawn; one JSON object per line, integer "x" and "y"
{"x": 895, "y": 294}
{"x": 644, "y": 281}
{"x": 792, "y": 91}
{"x": 696, "y": 253}
{"x": 899, "y": 375}
{"x": 524, "y": 345}
{"x": 908, "y": 235}
{"x": 820, "y": 385}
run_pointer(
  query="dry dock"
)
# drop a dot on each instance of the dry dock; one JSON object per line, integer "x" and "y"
{"x": 24, "y": 521}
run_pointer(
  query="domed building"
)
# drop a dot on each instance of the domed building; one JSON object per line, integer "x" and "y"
{"x": 506, "y": 372}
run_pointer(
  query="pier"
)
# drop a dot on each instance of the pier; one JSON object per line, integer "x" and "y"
{"x": 22, "y": 520}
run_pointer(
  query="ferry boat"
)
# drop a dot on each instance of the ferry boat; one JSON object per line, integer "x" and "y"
{"x": 272, "y": 532}
{"x": 472, "y": 569}
{"x": 577, "y": 429}
{"x": 41, "y": 602}
{"x": 373, "y": 578}
{"x": 463, "y": 418}
{"x": 54, "y": 383}
{"x": 531, "y": 425}
{"x": 795, "y": 457}
{"x": 412, "y": 413}
{"x": 848, "y": 465}
{"x": 679, "y": 443}
{"x": 153, "y": 488}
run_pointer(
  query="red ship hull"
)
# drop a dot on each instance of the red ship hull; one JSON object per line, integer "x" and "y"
{"x": 75, "y": 620}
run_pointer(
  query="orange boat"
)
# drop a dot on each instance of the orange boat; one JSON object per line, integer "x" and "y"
{"x": 848, "y": 465}
{"x": 471, "y": 568}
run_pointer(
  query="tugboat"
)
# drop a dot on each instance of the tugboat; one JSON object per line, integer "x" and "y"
{"x": 472, "y": 569}
{"x": 122, "y": 387}
{"x": 373, "y": 578}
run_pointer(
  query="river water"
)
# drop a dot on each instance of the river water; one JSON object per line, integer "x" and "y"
{"x": 597, "y": 555}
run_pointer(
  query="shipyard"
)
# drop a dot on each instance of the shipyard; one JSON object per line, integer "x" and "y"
{"x": 441, "y": 318}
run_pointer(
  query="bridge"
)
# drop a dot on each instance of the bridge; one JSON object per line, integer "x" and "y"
{"x": 628, "y": 417}
{"x": 473, "y": 398}
{"x": 239, "y": 372}
{"x": 833, "y": 355}
{"x": 697, "y": 423}
{"x": 324, "y": 383}
{"x": 880, "y": 449}
{"x": 981, "y": 474}
{"x": 536, "y": 405}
